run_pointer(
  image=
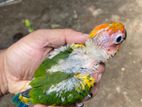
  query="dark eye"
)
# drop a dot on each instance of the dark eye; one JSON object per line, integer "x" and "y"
{"x": 118, "y": 39}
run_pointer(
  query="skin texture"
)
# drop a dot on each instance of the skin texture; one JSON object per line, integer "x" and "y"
{"x": 19, "y": 61}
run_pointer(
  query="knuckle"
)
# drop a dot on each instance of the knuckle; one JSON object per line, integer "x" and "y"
{"x": 68, "y": 32}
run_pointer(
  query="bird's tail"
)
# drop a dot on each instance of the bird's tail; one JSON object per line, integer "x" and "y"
{"x": 21, "y": 99}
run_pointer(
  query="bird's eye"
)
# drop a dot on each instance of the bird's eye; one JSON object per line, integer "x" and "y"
{"x": 118, "y": 39}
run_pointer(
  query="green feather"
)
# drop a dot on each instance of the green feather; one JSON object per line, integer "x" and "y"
{"x": 38, "y": 96}
{"x": 43, "y": 83}
{"x": 48, "y": 63}
{"x": 51, "y": 78}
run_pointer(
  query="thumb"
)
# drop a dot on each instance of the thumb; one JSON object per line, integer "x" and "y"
{"x": 18, "y": 86}
{"x": 54, "y": 37}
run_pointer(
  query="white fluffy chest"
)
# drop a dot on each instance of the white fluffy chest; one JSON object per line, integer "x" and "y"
{"x": 81, "y": 60}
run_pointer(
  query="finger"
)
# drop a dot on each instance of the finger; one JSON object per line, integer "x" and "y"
{"x": 101, "y": 68}
{"x": 99, "y": 72}
{"x": 55, "y": 37}
{"x": 18, "y": 86}
{"x": 58, "y": 37}
{"x": 63, "y": 106}
{"x": 39, "y": 105}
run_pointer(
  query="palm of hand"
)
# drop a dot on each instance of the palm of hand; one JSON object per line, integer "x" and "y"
{"x": 22, "y": 59}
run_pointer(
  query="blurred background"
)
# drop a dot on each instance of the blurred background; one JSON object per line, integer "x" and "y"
{"x": 121, "y": 85}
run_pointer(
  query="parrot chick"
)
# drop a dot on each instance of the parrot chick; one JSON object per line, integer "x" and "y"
{"x": 67, "y": 76}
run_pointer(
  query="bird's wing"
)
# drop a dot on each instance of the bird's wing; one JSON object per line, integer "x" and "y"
{"x": 59, "y": 88}
{"x": 49, "y": 62}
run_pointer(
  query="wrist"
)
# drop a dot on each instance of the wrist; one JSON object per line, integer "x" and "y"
{"x": 3, "y": 79}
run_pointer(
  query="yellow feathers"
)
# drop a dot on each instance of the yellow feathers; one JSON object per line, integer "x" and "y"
{"x": 24, "y": 99}
{"x": 86, "y": 80}
{"x": 74, "y": 46}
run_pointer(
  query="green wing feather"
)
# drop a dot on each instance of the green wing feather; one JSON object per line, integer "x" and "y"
{"x": 42, "y": 84}
{"x": 43, "y": 80}
{"x": 48, "y": 63}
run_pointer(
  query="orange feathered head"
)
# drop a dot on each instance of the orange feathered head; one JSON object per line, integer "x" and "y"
{"x": 109, "y": 36}
{"x": 111, "y": 27}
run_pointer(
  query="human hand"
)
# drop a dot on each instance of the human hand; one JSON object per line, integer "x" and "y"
{"x": 23, "y": 58}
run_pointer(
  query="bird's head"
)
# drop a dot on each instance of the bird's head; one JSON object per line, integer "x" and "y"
{"x": 109, "y": 36}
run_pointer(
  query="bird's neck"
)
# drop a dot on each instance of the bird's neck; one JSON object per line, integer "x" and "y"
{"x": 96, "y": 52}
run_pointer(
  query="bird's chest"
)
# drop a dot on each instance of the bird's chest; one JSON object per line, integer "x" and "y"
{"x": 77, "y": 62}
